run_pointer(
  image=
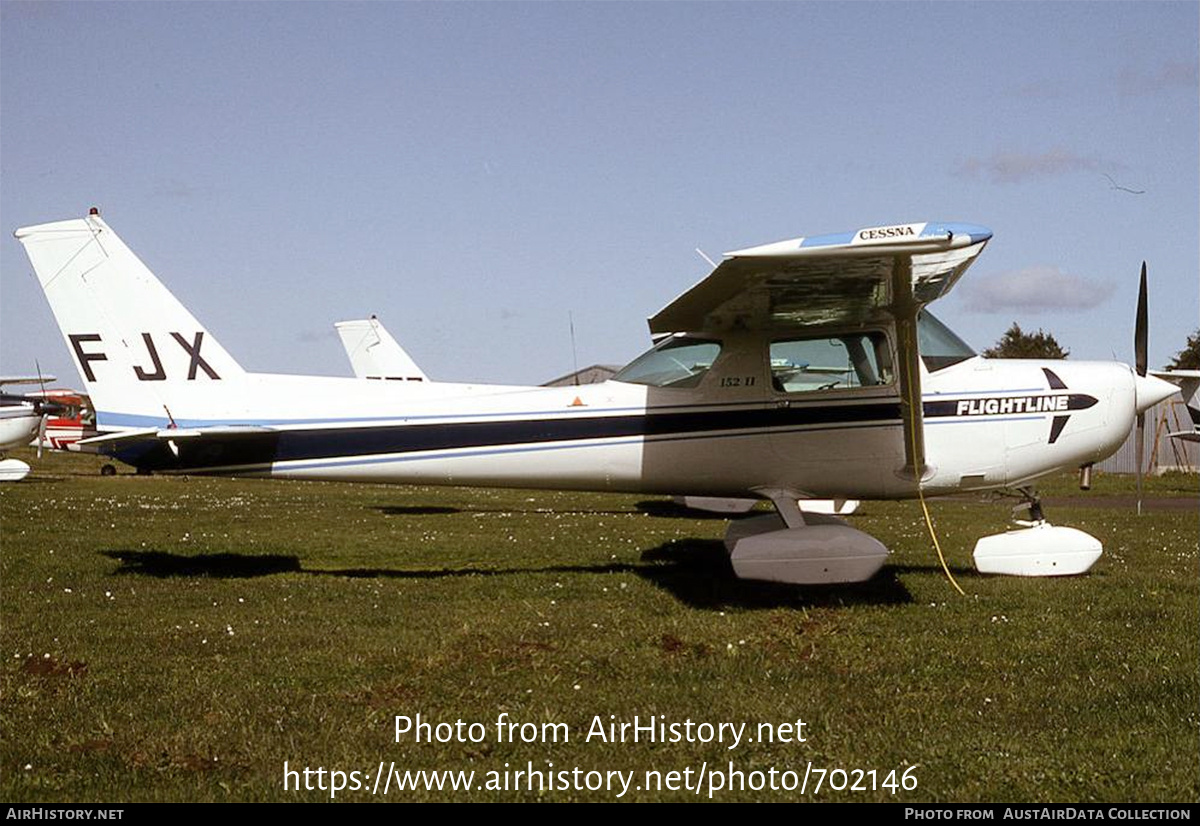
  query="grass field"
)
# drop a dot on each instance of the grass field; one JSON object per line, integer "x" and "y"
{"x": 171, "y": 639}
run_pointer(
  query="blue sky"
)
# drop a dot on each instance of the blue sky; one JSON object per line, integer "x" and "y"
{"x": 474, "y": 174}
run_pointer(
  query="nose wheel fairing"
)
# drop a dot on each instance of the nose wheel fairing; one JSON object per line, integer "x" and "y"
{"x": 13, "y": 470}
{"x": 1039, "y": 550}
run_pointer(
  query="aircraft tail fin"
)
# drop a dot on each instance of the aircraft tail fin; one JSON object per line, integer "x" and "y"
{"x": 374, "y": 354}
{"x": 143, "y": 356}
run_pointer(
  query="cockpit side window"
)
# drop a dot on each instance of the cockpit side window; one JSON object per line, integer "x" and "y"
{"x": 804, "y": 365}
{"x": 940, "y": 347}
{"x": 676, "y": 362}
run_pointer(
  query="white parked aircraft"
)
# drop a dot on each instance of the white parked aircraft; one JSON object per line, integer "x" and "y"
{"x": 21, "y": 417}
{"x": 1189, "y": 387}
{"x": 374, "y": 354}
{"x": 804, "y": 368}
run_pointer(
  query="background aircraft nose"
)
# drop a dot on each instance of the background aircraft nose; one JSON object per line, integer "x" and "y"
{"x": 1149, "y": 391}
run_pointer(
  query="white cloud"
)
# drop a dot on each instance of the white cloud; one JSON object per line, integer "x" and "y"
{"x": 1015, "y": 167}
{"x": 312, "y": 336}
{"x": 1039, "y": 90}
{"x": 1130, "y": 82}
{"x": 175, "y": 189}
{"x": 1038, "y": 289}
{"x": 1173, "y": 74}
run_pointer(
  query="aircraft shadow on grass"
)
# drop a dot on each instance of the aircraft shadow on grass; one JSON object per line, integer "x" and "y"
{"x": 698, "y": 572}
{"x": 163, "y": 564}
{"x": 445, "y": 510}
{"x": 417, "y": 510}
{"x": 662, "y": 508}
{"x": 695, "y": 571}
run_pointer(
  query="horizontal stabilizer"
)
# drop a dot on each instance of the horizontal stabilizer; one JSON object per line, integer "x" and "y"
{"x": 155, "y": 434}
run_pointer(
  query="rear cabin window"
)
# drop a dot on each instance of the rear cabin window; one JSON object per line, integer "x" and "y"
{"x": 677, "y": 362}
{"x": 806, "y": 365}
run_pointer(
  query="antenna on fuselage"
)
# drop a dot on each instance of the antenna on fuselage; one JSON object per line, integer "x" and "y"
{"x": 574, "y": 357}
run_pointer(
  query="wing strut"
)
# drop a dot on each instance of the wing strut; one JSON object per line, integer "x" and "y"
{"x": 904, "y": 309}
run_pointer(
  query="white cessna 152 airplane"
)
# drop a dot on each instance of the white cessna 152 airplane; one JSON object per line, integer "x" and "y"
{"x": 806, "y": 368}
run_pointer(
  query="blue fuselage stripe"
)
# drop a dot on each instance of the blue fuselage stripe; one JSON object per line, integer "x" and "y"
{"x": 347, "y": 442}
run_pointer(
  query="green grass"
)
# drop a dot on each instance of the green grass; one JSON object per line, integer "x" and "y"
{"x": 179, "y": 639}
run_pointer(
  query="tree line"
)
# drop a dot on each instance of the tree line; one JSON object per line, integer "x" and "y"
{"x": 1018, "y": 344}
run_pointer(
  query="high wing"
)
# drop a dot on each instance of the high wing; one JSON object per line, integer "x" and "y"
{"x": 848, "y": 278}
{"x": 829, "y": 279}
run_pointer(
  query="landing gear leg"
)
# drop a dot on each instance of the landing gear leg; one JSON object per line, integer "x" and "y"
{"x": 1033, "y": 503}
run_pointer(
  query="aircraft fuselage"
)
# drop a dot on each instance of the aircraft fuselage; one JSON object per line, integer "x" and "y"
{"x": 987, "y": 424}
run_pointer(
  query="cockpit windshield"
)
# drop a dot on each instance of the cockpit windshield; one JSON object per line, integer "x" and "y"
{"x": 682, "y": 360}
{"x": 679, "y": 361}
{"x": 940, "y": 347}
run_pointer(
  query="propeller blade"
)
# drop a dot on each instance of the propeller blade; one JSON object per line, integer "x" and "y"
{"x": 41, "y": 437}
{"x": 1139, "y": 448}
{"x": 42, "y": 424}
{"x": 1140, "y": 328}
